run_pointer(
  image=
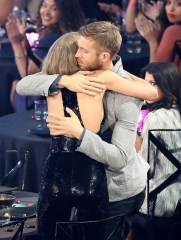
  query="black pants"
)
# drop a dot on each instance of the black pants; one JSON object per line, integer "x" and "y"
{"x": 128, "y": 208}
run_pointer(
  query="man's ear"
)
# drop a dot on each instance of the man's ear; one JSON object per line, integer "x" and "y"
{"x": 105, "y": 57}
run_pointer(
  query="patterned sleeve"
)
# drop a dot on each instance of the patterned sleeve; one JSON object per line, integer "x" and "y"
{"x": 151, "y": 122}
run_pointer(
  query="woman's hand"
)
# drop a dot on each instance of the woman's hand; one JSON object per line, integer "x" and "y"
{"x": 147, "y": 29}
{"x": 151, "y": 10}
{"x": 21, "y": 24}
{"x": 13, "y": 32}
{"x": 67, "y": 126}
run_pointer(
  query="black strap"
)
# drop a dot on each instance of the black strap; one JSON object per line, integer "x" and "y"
{"x": 38, "y": 63}
{"x": 33, "y": 57}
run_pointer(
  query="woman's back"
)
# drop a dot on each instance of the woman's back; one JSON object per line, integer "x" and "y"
{"x": 166, "y": 46}
{"x": 91, "y": 107}
{"x": 72, "y": 180}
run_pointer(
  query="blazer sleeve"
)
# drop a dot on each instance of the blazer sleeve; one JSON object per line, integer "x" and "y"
{"x": 120, "y": 152}
{"x": 37, "y": 84}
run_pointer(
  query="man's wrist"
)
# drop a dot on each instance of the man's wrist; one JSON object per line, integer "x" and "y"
{"x": 79, "y": 140}
{"x": 78, "y": 132}
{"x": 54, "y": 86}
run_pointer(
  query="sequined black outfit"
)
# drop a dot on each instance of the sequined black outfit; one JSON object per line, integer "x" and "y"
{"x": 73, "y": 187}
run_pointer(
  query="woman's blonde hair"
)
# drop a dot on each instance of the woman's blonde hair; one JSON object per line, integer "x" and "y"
{"x": 61, "y": 56}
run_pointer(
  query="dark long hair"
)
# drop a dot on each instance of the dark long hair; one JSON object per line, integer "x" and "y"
{"x": 72, "y": 18}
{"x": 163, "y": 19}
{"x": 168, "y": 78}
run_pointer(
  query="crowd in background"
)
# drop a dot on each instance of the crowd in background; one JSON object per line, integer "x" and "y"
{"x": 158, "y": 22}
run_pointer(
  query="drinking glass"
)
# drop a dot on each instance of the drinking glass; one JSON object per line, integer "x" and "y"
{"x": 133, "y": 42}
{"x": 4, "y": 214}
{"x": 41, "y": 110}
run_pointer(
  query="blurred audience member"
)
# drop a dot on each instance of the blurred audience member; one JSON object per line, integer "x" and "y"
{"x": 109, "y": 7}
{"x": 55, "y": 18}
{"x": 170, "y": 17}
{"x": 31, "y": 7}
{"x": 132, "y": 11}
{"x": 94, "y": 12}
{"x": 112, "y": 10}
{"x": 142, "y": 9}
{"x": 6, "y": 7}
{"x": 165, "y": 113}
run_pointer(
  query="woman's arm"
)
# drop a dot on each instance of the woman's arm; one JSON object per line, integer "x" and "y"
{"x": 18, "y": 41}
{"x": 165, "y": 49}
{"x": 136, "y": 87}
{"x": 55, "y": 106}
{"x": 131, "y": 14}
{"x": 138, "y": 143}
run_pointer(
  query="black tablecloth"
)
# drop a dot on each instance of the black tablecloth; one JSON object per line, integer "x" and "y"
{"x": 14, "y": 135}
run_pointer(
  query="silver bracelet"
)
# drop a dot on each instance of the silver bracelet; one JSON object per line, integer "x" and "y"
{"x": 19, "y": 56}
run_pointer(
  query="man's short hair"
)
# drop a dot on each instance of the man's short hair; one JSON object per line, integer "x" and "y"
{"x": 105, "y": 34}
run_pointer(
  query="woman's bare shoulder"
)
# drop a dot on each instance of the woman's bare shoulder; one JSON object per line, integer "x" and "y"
{"x": 102, "y": 73}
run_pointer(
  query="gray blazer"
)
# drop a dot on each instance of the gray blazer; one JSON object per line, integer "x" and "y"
{"x": 37, "y": 84}
{"x": 126, "y": 170}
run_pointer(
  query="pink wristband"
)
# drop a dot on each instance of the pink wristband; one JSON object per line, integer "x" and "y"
{"x": 132, "y": 4}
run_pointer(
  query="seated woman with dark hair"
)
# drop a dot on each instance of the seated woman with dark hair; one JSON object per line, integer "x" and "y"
{"x": 165, "y": 113}
{"x": 162, "y": 40}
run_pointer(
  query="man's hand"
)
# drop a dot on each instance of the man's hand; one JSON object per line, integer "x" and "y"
{"x": 67, "y": 126}
{"x": 80, "y": 82}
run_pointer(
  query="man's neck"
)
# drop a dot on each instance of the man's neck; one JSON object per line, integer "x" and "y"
{"x": 108, "y": 66}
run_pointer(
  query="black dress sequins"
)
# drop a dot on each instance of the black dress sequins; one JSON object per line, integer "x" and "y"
{"x": 73, "y": 187}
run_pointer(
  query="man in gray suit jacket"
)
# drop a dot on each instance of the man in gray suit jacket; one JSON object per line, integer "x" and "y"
{"x": 126, "y": 170}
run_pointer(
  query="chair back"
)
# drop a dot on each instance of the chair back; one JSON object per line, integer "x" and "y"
{"x": 169, "y": 150}
{"x": 19, "y": 233}
{"x": 16, "y": 176}
{"x": 88, "y": 230}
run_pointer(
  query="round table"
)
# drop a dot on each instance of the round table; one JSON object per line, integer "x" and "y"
{"x": 15, "y": 135}
{"x": 30, "y": 225}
